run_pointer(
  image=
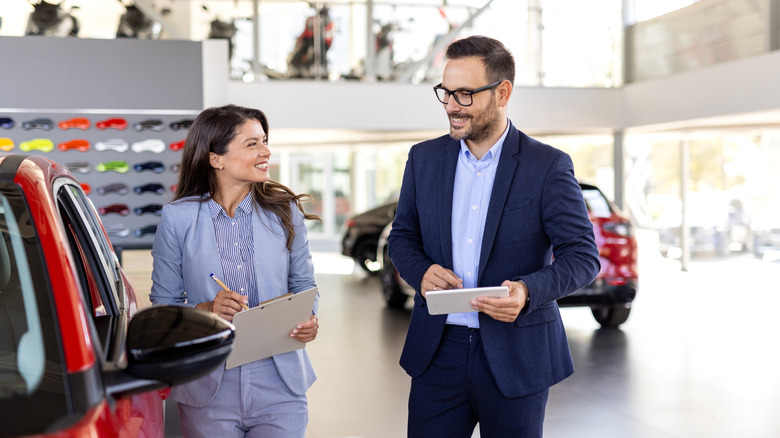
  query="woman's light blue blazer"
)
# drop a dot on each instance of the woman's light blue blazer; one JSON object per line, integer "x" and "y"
{"x": 185, "y": 252}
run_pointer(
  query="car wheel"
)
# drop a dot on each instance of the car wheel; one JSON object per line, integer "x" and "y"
{"x": 365, "y": 255}
{"x": 611, "y": 317}
{"x": 394, "y": 296}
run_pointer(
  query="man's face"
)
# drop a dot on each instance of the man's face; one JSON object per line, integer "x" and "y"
{"x": 480, "y": 120}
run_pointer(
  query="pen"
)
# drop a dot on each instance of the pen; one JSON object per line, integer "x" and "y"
{"x": 222, "y": 285}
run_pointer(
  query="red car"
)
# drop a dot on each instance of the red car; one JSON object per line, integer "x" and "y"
{"x": 79, "y": 356}
{"x": 78, "y": 144}
{"x": 609, "y": 296}
{"x": 115, "y": 123}
{"x": 77, "y": 122}
{"x": 177, "y": 146}
{"x": 120, "y": 209}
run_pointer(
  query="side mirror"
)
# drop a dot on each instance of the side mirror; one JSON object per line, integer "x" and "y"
{"x": 171, "y": 345}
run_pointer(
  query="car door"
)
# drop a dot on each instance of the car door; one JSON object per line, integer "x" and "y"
{"x": 109, "y": 302}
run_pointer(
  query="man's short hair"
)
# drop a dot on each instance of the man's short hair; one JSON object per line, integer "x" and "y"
{"x": 499, "y": 63}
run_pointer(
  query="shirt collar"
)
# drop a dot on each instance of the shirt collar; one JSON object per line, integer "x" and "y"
{"x": 245, "y": 206}
{"x": 493, "y": 153}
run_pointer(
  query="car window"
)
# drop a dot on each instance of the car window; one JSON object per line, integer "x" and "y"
{"x": 31, "y": 364}
{"x": 597, "y": 204}
{"x": 96, "y": 268}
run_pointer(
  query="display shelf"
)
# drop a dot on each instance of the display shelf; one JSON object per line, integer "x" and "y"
{"x": 131, "y": 231}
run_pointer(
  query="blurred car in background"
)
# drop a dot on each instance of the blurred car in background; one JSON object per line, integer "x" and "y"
{"x": 113, "y": 123}
{"x": 118, "y": 188}
{"x": 609, "y": 296}
{"x": 78, "y": 144}
{"x": 40, "y": 144}
{"x": 151, "y": 124}
{"x": 80, "y": 357}
{"x": 7, "y": 122}
{"x": 362, "y": 234}
{"x": 719, "y": 226}
{"x": 114, "y": 144}
{"x": 77, "y": 123}
{"x": 181, "y": 124}
{"x": 6, "y": 144}
{"x": 40, "y": 123}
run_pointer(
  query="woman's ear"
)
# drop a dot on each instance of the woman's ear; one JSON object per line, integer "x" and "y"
{"x": 215, "y": 160}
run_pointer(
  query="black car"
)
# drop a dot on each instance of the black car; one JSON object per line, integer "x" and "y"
{"x": 151, "y": 124}
{"x": 362, "y": 234}
{"x": 155, "y": 209}
{"x": 151, "y": 187}
{"x": 118, "y": 188}
{"x": 154, "y": 166}
{"x": 6, "y": 122}
{"x": 39, "y": 123}
{"x": 149, "y": 229}
{"x": 181, "y": 124}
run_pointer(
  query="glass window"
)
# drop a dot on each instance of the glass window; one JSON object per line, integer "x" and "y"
{"x": 31, "y": 369}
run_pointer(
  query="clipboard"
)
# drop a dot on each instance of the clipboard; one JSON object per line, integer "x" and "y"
{"x": 264, "y": 330}
{"x": 458, "y": 300}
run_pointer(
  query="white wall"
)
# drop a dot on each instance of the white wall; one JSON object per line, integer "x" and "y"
{"x": 726, "y": 93}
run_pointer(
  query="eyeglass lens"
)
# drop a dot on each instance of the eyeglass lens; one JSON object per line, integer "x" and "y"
{"x": 463, "y": 97}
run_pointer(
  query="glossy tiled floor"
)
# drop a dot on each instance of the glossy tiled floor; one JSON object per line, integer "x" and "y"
{"x": 697, "y": 358}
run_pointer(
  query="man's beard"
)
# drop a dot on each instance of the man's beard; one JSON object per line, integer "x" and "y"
{"x": 480, "y": 127}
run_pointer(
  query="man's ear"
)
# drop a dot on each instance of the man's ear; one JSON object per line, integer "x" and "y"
{"x": 504, "y": 92}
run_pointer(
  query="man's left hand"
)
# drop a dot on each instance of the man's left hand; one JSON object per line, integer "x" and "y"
{"x": 504, "y": 309}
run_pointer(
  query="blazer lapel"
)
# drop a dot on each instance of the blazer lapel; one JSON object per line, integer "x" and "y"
{"x": 447, "y": 168}
{"x": 507, "y": 166}
{"x": 208, "y": 241}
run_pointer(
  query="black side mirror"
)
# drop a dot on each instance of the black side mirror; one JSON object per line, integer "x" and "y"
{"x": 171, "y": 345}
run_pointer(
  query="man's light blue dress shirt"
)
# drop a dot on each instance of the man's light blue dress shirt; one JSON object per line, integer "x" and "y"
{"x": 470, "y": 199}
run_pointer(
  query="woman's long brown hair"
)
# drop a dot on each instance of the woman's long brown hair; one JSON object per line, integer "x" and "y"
{"x": 212, "y": 131}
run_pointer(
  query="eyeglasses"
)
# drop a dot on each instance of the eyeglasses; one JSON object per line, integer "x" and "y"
{"x": 463, "y": 97}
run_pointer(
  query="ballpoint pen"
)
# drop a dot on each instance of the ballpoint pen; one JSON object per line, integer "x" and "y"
{"x": 222, "y": 285}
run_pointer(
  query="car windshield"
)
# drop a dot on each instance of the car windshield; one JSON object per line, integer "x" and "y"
{"x": 32, "y": 390}
{"x": 597, "y": 204}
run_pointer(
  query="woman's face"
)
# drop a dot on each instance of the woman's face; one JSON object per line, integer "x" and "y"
{"x": 247, "y": 156}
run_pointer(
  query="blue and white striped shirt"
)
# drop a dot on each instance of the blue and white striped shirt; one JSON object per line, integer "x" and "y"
{"x": 236, "y": 248}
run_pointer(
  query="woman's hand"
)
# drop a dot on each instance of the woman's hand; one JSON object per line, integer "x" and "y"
{"x": 226, "y": 304}
{"x": 307, "y": 331}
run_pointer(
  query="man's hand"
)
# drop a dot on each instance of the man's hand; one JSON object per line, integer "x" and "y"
{"x": 504, "y": 309}
{"x": 437, "y": 278}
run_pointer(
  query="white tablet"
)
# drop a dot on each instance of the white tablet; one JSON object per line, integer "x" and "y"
{"x": 459, "y": 300}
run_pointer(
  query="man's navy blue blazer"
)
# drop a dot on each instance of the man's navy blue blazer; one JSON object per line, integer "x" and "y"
{"x": 536, "y": 210}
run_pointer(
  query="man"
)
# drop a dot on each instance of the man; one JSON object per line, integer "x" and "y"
{"x": 487, "y": 206}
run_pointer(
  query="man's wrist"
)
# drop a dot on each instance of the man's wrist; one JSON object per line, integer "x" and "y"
{"x": 527, "y": 295}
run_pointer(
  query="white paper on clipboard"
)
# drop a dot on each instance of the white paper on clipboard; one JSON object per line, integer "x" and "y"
{"x": 264, "y": 331}
{"x": 459, "y": 300}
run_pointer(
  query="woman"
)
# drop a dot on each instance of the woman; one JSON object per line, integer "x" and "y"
{"x": 228, "y": 218}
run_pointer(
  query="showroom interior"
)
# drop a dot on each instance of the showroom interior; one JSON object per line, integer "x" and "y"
{"x": 669, "y": 107}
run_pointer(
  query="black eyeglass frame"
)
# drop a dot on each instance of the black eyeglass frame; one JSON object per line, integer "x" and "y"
{"x": 463, "y": 90}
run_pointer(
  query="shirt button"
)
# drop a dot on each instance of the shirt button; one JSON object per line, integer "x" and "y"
{"x": 473, "y": 207}
{"x": 239, "y": 266}
{"x": 479, "y": 173}
{"x": 471, "y": 240}
{"x": 235, "y": 243}
{"x": 232, "y": 223}
{"x": 468, "y": 274}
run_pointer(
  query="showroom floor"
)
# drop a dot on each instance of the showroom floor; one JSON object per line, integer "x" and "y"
{"x": 697, "y": 357}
